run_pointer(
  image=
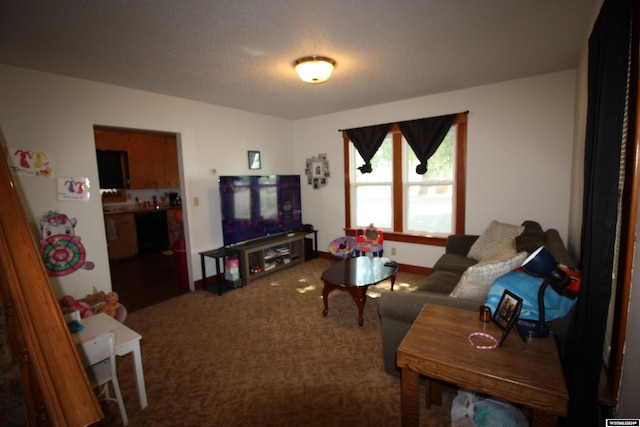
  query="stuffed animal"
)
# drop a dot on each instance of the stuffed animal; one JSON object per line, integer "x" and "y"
{"x": 95, "y": 300}
{"x": 69, "y": 304}
{"x": 112, "y": 304}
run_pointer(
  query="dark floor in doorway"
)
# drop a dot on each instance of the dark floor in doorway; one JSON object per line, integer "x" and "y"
{"x": 145, "y": 280}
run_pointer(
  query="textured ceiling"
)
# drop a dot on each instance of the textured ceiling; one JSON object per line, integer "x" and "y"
{"x": 239, "y": 53}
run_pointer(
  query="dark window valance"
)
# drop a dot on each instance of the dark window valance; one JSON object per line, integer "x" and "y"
{"x": 423, "y": 135}
{"x": 367, "y": 140}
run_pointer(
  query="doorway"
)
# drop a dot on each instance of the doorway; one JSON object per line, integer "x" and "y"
{"x": 140, "y": 217}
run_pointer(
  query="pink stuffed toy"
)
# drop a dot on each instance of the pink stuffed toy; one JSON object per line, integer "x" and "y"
{"x": 69, "y": 304}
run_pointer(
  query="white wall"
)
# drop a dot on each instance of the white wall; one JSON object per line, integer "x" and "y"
{"x": 55, "y": 114}
{"x": 519, "y": 149}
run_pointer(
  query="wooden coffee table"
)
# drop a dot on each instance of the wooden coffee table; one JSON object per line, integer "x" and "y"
{"x": 437, "y": 346}
{"x": 355, "y": 275}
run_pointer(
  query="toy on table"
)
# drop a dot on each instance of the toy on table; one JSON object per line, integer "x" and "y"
{"x": 111, "y": 304}
{"x": 69, "y": 304}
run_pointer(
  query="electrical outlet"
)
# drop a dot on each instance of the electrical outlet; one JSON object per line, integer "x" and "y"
{"x": 393, "y": 251}
{"x": 196, "y": 201}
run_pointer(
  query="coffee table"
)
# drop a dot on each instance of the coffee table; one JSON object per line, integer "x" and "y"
{"x": 437, "y": 346}
{"x": 355, "y": 275}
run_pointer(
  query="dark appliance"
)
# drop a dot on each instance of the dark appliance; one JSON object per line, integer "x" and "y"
{"x": 152, "y": 231}
{"x": 174, "y": 199}
{"x": 259, "y": 206}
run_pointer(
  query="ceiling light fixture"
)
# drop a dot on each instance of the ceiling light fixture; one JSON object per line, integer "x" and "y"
{"x": 314, "y": 69}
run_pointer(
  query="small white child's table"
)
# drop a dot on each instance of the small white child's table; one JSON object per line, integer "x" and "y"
{"x": 127, "y": 341}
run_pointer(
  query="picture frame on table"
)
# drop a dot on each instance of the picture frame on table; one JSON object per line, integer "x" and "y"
{"x": 507, "y": 313}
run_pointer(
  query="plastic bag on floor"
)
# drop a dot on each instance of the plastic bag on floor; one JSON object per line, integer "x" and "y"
{"x": 495, "y": 413}
{"x": 462, "y": 409}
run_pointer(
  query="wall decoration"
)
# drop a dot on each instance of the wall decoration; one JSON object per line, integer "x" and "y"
{"x": 254, "y": 160}
{"x": 317, "y": 170}
{"x": 70, "y": 189}
{"x": 30, "y": 163}
{"x": 60, "y": 248}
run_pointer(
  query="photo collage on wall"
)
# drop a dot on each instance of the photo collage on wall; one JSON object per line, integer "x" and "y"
{"x": 317, "y": 171}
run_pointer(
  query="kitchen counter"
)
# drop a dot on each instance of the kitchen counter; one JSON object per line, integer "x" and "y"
{"x": 124, "y": 210}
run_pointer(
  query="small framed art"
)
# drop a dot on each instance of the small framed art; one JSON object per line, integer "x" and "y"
{"x": 507, "y": 313}
{"x": 254, "y": 160}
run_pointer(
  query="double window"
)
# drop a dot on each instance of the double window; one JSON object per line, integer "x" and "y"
{"x": 409, "y": 206}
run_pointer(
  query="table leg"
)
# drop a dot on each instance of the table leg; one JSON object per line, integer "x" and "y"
{"x": 139, "y": 373}
{"x": 359, "y": 295}
{"x": 218, "y": 281}
{"x": 328, "y": 287}
{"x": 204, "y": 273}
{"x": 393, "y": 281}
{"x": 433, "y": 393}
{"x": 542, "y": 419}
{"x": 409, "y": 398}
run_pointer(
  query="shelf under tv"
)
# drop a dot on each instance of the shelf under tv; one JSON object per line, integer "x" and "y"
{"x": 270, "y": 254}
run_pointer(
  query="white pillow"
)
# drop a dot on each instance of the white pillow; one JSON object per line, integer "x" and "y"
{"x": 477, "y": 279}
{"x": 495, "y": 233}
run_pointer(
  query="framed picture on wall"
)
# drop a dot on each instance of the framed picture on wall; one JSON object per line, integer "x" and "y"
{"x": 254, "y": 160}
{"x": 317, "y": 169}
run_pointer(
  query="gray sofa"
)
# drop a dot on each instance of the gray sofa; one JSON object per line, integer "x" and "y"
{"x": 398, "y": 309}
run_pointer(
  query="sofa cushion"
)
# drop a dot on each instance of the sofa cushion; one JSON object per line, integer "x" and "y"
{"x": 477, "y": 280}
{"x": 495, "y": 233}
{"x": 441, "y": 282}
{"x": 453, "y": 263}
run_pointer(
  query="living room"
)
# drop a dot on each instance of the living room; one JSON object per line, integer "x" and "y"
{"x": 517, "y": 128}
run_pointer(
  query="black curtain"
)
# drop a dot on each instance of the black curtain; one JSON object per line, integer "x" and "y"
{"x": 424, "y": 136}
{"x": 607, "y": 84}
{"x": 367, "y": 140}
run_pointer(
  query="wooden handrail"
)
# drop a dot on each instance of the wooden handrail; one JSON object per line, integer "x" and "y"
{"x": 57, "y": 390}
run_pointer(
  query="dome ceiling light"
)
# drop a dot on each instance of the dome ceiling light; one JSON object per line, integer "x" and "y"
{"x": 314, "y": 69}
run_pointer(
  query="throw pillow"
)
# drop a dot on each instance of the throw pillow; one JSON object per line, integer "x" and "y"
{"x": 501, "y": 251}
{"x": 478, "y": 279}
{"x": 495, "y": 233}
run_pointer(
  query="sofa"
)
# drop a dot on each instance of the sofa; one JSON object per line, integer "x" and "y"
{"x": 442, "y": 286}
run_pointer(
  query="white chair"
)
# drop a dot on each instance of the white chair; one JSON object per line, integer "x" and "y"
{"x": 98, "y": 356}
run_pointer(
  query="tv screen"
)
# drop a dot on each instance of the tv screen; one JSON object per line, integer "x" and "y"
{"x": 259, "y": 206}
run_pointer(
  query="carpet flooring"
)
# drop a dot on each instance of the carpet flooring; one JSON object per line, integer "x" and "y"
{"x": 264, "y": 355}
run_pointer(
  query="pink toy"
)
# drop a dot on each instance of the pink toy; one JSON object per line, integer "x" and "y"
{"x": 69, "y": 305}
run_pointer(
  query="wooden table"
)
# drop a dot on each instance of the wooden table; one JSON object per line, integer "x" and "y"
{"x": 525, "y": 373}
{"x": 127, "y": 341}
{"x": 355, "y": 275}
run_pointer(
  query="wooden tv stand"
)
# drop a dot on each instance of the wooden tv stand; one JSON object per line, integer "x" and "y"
{"x": 269, "y": 255}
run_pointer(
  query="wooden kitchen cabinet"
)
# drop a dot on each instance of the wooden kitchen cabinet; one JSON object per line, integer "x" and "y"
{"x": 171, "y": 152}
{"x": 150, "y": 159}
{"x": 153, "y": 161}
{"x": 111, "y": 140}
{"x": 121, "y": 235}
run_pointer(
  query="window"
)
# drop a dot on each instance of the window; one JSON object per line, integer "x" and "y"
{"x": 408, "y": 206}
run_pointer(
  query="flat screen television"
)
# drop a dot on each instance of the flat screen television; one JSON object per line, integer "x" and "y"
{"x": 259, "y": 206}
